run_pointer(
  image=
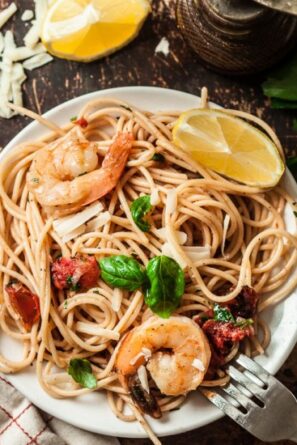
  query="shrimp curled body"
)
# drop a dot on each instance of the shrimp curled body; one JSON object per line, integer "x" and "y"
{"x": 66, "y": 175}
{"x": 176, "y": 344}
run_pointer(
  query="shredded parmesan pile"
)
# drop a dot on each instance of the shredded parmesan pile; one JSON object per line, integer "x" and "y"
{"x": 15, "y": 60}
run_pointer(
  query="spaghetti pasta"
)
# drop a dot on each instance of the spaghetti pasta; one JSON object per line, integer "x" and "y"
{"x": 253, "y": 249}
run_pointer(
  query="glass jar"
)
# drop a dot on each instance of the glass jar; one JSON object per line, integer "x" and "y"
{"x": 236, "y": 36}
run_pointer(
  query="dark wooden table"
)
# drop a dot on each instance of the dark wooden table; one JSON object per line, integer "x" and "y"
{"x": 137, "y": 64}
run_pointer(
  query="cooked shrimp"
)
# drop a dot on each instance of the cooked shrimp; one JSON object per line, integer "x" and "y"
{"x": 66, "y": 174}
{"x": 175, "y": 350}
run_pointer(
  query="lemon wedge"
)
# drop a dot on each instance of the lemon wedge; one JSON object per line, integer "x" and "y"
{"x": 85, "y": 30}
{"x": 230, "y": 146}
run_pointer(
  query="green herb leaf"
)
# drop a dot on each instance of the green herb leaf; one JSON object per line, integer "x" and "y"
{"x": 81, "y": 371}
{"x": 282, "y": 82}
{"x": 244, "y": 323}
{"x": 165, "y": 286}
{"x": 158, "y": 157}
{"x": 122, "y": 271}
{"x": 295, "y": 213}
{"x": 295, "y": 124}
{"x": 139, "y": 209}
{"x": 222, "y": 314}
{"x": 70, "y": 284}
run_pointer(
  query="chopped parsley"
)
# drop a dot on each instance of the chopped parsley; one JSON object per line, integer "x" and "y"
{"x": 222, "y": 314}
{"x": 36, "y": 180}
{"x": 73, "y": 118}
{"x": 70, "y": 284}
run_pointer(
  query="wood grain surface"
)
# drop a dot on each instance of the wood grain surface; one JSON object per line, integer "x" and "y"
{"x": 137, "y": 64}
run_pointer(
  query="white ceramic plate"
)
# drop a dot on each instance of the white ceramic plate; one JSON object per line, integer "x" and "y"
{"x": 92, "y": 412}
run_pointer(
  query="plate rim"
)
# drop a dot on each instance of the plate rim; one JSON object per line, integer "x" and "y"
{"x": 216, "y": 414}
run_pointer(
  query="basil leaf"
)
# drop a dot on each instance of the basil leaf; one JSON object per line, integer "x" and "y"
{"x": 165, "y": 285}
{"x": 222, "y": 314}
{"x": 282, "y": 82}
{"x": 81, "y": 371}
{"x": 139, "y": 209}
{"x": 122, "y": 271}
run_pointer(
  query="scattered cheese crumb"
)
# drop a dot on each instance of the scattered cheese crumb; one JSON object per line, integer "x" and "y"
{"x": 163, "y": 47}
{"x": 6, "y": 13}
{"x": 181, "y": 236}
{"x": 27, "y": 15}
{"x": 22, "y": 52}
{"x": 155, "y": 198}
{"x": 37, "y": 61}
{"x": 33, "y": 35}
{"x": 171, "y": 201}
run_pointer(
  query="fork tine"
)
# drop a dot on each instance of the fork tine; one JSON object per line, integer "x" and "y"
{"x": 253, "y": 367}
{"x": 246, "y": 382}
{"x": 238, "y": 396}
{"x": 223, "y": 405}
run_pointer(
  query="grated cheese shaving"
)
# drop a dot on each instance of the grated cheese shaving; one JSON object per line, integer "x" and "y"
{"x": 22, "y": 52}
{"x": 181, "y": 236}
{"x": 163, "y": 47}
{"x": 98, "y": 222}
{"x": 171, "y": 201}
{"x": 37, "y": 61}
{"x": 12, "y": 74}
{"x": 28, "y": 14}
{"x": 18, "y": 77}
{"x": 33, "y": 35}
{"x": 194, "y": 253}
{"x": 6, "y": 13}
{"x": 67, "y": 224}
{"x": 71, "y": 235}
{"x": 197, "y": 363}
{"x": 226, "y": 223}
{"x": 155, "y": 198}
{"x": 142, "y": 375}
{"x": 6, "y": 76}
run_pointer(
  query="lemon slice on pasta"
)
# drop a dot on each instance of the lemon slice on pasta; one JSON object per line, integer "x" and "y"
{"x": 230, "y": 146}
{"x": 86, "y": 30}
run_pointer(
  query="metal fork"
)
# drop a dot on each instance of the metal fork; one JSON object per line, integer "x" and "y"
{"x": 257, "y": 401}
